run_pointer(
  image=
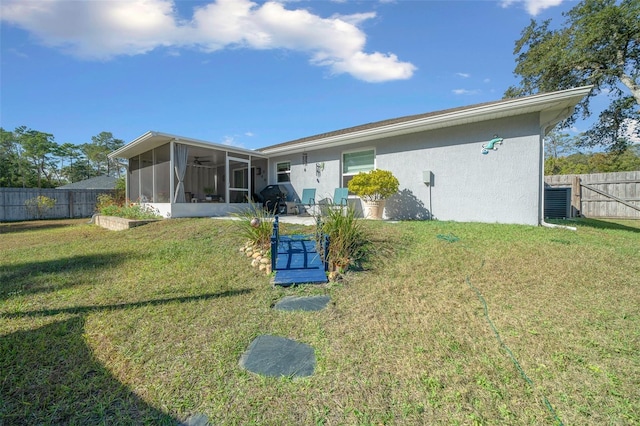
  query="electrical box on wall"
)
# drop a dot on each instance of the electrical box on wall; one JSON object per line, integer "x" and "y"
{"x": 427, "y": 177}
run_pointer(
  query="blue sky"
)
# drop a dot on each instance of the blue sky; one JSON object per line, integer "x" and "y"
{"x": 250, "y": 74}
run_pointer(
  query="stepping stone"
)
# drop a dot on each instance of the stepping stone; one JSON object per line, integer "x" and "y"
{"x": 196, "y": 420}
{"x": 304, "y": 303}
{"x": 278, "y": 356}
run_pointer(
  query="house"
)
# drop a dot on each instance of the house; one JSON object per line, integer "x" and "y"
{"x": 98, "y": 182}
{"x": 481, "y": 163}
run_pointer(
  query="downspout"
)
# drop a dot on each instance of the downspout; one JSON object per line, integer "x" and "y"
{"x": 544, "y": 127}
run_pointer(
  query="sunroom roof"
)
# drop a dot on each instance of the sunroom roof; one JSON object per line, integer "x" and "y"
{"x": 154, "y": 139}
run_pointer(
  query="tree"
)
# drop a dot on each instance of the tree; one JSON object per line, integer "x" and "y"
{"x": 37, "y": 149}
{"x": 599, "y": 162}
{"x": 69, "y": 152}
{"x": 80, "y": 170}
{"x": 10, "y": 164}
{"x": 600, "y": 46}
{"x": 558, "y": 144}
{"x": 97, "y": 151}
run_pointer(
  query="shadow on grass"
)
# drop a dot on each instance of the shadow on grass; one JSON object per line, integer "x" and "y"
{"x": 49, "y": 376}
{"x": 45, "y": 276}
{"x": 39, "y": 225}
{"x": 600, "y": 224}
{"x": 144, "y": 303}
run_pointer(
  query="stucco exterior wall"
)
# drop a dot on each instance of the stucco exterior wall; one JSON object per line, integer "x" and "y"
{"x": 502, "y": 186}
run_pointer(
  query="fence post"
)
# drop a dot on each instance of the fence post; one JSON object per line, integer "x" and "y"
{"x": 274, "y": 244}
{"x": 325, "y": 251}
{"x": 576, "y": 197}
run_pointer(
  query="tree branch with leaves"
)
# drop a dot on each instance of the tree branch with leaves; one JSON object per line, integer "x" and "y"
{"x": 598, "y": 45}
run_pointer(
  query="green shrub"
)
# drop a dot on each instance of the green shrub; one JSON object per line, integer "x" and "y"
{"x": 347, "y": 238}
{"x": 107, "y": 206}
{"x": 258, "y": 234}
{"x": 120, "y": 191}
{"x": 39, "y": 205}
{"x": 103, "y": 201}
{"x": 375, "y": 185}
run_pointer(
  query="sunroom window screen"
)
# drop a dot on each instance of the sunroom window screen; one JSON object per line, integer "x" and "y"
{"x": 356, "y": 162}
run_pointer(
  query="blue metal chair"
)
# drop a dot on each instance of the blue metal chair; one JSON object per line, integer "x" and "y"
{"x": 307, "y": 200}
{"x": 340, "y": 196}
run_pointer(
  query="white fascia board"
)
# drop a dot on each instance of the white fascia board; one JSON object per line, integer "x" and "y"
{"x": 152, "y": 139}
{"x": 507, "y": 108}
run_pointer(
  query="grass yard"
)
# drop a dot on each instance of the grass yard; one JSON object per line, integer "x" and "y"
{"x": 146, "y": 326}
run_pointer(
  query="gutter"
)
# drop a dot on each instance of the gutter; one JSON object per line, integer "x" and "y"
{"x": 504, "y": 108}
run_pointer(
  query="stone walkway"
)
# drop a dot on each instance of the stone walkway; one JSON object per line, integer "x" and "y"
{"x": 276, "y": 356}
{"x": 309, "y": 303}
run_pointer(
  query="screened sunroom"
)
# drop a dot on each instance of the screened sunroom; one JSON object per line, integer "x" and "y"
{"x": 182, "y": 177}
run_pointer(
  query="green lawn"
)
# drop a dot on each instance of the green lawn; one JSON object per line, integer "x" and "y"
{"x": 146, "y": 326}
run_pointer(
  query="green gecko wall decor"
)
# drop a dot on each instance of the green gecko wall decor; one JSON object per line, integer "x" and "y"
{"x": 492, "y": 144}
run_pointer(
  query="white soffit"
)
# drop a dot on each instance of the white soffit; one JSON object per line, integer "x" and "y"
{"x": 555, "y": 101}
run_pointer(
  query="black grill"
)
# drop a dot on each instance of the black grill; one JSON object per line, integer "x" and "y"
{"x": 273, "y": 198}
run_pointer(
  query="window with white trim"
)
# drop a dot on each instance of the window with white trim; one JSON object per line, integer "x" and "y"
{"x": 355, "y": 162}
{"x": 283, "y": 171}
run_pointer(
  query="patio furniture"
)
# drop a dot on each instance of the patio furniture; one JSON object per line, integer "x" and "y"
{"x": 340, "y": 196}
{"x": 307, "y": 200}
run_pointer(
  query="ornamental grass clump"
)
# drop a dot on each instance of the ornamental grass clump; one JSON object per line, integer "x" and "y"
{"x": 255, "y": 224}
{"x": 347, "y": 238}
{"x": 375, "y": 185}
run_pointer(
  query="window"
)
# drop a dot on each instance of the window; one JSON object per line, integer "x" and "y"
{"x": 356, "y": 162}
{"x": 284, "y": 171}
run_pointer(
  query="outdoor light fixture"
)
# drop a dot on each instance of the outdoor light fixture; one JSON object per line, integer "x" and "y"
{"x": 304, "y": 158}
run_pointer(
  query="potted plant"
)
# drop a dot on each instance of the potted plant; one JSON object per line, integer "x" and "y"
{"x": 374, "y": 188}
{"x": 208, "y": 193}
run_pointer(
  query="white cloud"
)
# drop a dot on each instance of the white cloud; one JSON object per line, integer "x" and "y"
{"x": 466, "y": 91}
{"x": 231, "y": 141}
{"x": 533, "y": 7}
{"x": 18, "y": 53}
{"x": 463, "y": 74}
{"x": 101, "y": 30}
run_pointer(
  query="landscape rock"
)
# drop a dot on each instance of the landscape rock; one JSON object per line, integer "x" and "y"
{"x": 302, "y": 303}
{"x": 278, "y": 356}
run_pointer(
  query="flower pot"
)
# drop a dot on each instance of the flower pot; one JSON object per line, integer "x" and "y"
{"x": 375, "y": 209}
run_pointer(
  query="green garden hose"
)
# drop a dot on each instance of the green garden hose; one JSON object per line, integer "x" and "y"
{"x": 508, "y": 351}
{"x": 452, "y": 239}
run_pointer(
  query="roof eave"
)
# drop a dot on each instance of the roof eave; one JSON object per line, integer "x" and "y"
{"x": 136, "y": 143}
{"x": 509, "y": 107}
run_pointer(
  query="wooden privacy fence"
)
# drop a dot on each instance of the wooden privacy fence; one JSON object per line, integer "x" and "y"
{"x": 70, "y": 203}
{"x": 604, "y": 195}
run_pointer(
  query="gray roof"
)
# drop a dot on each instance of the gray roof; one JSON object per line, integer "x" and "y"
{"x": 100, "y": 182}
{"x": 560, "y": 103}
{"x": 373, "y": 125}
